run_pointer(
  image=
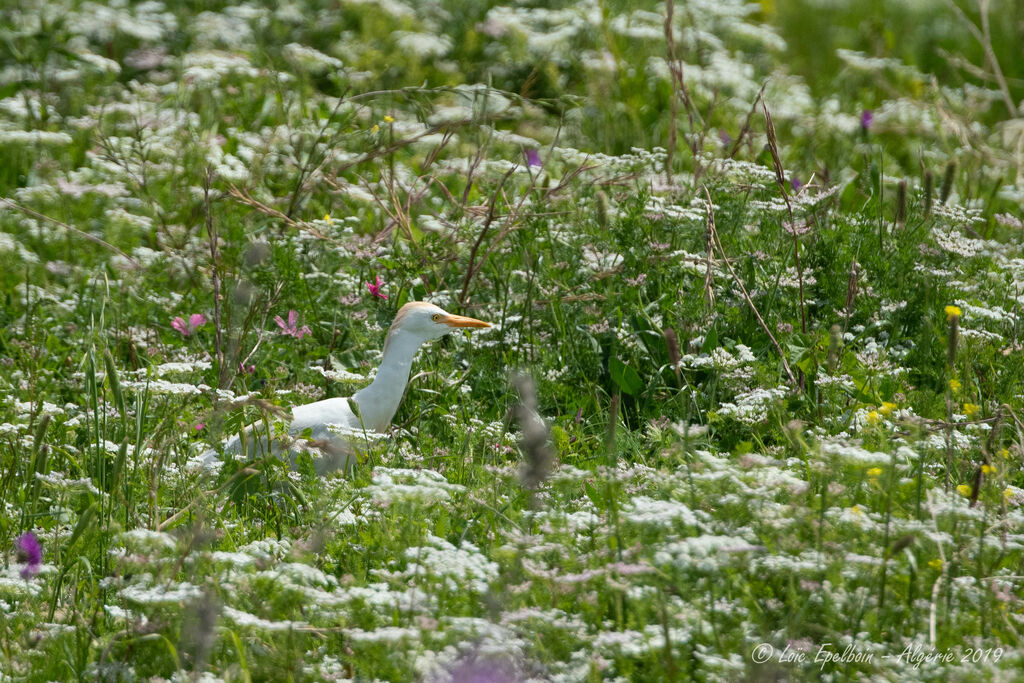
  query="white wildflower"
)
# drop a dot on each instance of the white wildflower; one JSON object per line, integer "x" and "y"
{"x": 705, "y": 553}
{"x": 246, "y": 620}
{"x": 385, "y": 634}
{"x": 854, "y": 454}
{"x": 663, "y": 513}
{"x": 147, "y": 539}
{"x": 422, "y": 486}
{"x": 60, "y": 481}
{"x": 460, "y": 568}
{"x": 147, "y": 592}
{"x": 752, "y": 407}
{"x": 339, "y": 375}
{"x": 422, "y": 45}
{"x": 310, "y": 58}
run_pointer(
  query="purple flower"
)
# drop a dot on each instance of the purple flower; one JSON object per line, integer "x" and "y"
{"x": 533, "y": 158}
{"x": 483, "y": 671}
{"x": 866, "y": 119}
{"x": 195, "y": 321}
{"x": 724, "y": 137}
{"x": 795, "y": 183}
{"x": 375, "y": 286}
{"x": 291, "y": 327}
{"x": 638, "y": 280}
{"x": 30, "y": 553}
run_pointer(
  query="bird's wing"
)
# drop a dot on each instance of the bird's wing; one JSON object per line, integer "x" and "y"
{"x": 316, "y": 416}
{"x": 333, "y": 445}
{"x": 256, "y": 444}
{"x": 336, "y": 432}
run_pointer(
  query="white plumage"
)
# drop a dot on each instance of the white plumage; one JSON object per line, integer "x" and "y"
{"x": 334, "y": 428}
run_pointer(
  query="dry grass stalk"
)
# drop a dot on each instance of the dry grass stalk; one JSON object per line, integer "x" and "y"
{"x": 901, "y": 203}
{"x": 780, "y": 178}
{"x": 929, "y": 190}
{"x": 211, "y": 233}
{"x": 535, "y": 442}
{"x": 746, "y": 295}
{"x": 672, "y": 341}
{"x": 679, "y": 92}
{"x": 746, "y": 127}
{"x": 92, "y": 238}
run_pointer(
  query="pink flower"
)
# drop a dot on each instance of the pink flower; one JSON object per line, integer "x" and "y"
{"x": 195, "y": 321}
{"x": 375, "y": 288}
{"x": 291, "y": 327}
{"x": 246, "y": 369}
{"x": 199, "y": 427}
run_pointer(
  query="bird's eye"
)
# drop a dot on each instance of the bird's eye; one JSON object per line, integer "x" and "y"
{"x": 436, "y": 317}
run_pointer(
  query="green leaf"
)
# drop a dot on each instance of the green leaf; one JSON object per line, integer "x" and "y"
{"x": 115, "y": 384}
{"x": 809, "y": 364}
{"x": 710, "y": 341}
{"x": 83, "y": 523}
{"x": 119, "y": 463}
{"x": 624, "y": 376}
{"x": 594, "y": 495}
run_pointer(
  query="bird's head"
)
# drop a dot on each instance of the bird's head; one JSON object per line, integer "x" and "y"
{"x": 428, "y": 321}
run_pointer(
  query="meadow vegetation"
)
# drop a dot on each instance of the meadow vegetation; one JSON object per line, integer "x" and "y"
{"x": 758, "y": 266}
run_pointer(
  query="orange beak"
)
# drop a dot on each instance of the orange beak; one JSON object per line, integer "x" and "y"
{"x": 462, "y": 321}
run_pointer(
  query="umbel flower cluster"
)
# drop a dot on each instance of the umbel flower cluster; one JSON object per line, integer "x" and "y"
{"x": 750, "y": 407}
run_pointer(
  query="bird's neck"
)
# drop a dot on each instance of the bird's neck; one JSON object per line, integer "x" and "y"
{"x": 378, "y": 402}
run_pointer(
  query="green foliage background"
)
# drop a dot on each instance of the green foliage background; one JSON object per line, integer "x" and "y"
{"x": 780, "y": 371}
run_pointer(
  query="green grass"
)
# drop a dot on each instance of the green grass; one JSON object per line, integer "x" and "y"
{"x": 754, "y": 453}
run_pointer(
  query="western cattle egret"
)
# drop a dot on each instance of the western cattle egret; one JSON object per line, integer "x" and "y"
{"x": 333, "y": 425}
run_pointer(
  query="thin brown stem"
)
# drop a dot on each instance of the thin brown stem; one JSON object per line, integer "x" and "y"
{"x": 69, "y": 228}
{"x": 984, "y": 36}
{"x": 739, "y": 283}
{"x": 471, "y": 267}
{"x": 680, "y": 91}
{"x": 211, "y": 231}
{"x": 745, "y": 128}
{"x": 780, "y": 178}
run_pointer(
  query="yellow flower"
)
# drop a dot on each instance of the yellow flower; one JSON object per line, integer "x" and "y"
{"x": 857, "y": 511}
{"x": 964, "y": 490}
{"x": 1007, "y": 494}
{"x": 388, "y": 119}
{"x": 1004, "y": 453}
{"x": 954, "y": 386}
{"x": 375, "y": 129}
{"x": 988, "y": 469}
{"x": 887, "y": 408}
{"x": 953, "y": 312}
{"x": 874, "y": 417}
{"x": 935, "y": 564}
{"x": 327, "y": 219}
{"x": 875, "y": 471}
{"x": 971, "y": 409}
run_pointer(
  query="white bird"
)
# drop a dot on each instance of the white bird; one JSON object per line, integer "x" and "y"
{"x": 335, "y": 429}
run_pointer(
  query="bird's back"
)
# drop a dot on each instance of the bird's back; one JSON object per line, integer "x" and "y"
{"x": 316, "y": 416}
{"x": 333, "y": 431}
